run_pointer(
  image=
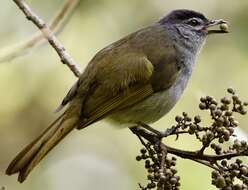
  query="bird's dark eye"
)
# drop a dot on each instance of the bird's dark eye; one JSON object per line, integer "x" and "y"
{"x": 193, "y": 22}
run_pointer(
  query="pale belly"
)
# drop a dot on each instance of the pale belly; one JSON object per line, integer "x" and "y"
{"x": 154, "y": 107}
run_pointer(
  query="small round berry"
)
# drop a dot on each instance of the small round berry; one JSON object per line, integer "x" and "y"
{"x": 138, "y": 158}
{"x": 224, "y": 163}
{"x": 237, "y": 187}
{"x": 173, "y": 180}
{"x": 244, "y": 170}
{"x": 178, "y": 118}
{"x": 224, "y": 27}
{"x": 197, "y": 119}
{"x": 220, "y": 182}
{"x": 231, "y": 90}
{"x": 202, "y": 106}
{"x": 143, "y": 151}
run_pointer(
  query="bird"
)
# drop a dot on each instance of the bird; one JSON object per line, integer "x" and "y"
{"x": 137, "y": 79}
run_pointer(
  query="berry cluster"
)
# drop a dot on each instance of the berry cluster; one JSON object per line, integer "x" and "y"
{"x": 225, "y": 179}
{"x": 222, "y": 115}
{"x": 160, "y": 168}
{"x": 160, "y": 164}
{"x": 223, "y": 125}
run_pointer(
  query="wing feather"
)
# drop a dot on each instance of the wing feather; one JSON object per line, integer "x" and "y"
{"x": 118, "y": 102}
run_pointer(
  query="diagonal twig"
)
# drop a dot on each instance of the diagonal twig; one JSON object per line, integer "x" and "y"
{"x": 56, "y": 25}
{"x": 48, "y": 34}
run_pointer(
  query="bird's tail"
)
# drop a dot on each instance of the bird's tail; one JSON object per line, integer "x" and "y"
{"x": 30, "y": 156}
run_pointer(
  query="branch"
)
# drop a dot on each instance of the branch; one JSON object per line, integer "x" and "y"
{"x": 48, "y": 34}
{"x": 192, "y": 155}
{"x": 37, "y": 39}
{"x": 161, "y": 167}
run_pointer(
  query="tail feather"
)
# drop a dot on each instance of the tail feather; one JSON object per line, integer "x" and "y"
{"x": 30, "y": 156}
{"x": 29, "y": 151}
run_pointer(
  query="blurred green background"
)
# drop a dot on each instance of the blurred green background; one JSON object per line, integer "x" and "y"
{"x": 102, "y": 157}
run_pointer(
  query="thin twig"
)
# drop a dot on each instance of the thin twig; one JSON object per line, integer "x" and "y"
{"x": 48, "y": 34}
{"x": 195, "y": 154}
{"x": 56, "y": 25}
{"x": 206, "y": 163}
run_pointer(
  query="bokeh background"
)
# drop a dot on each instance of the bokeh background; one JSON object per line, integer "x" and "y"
{"x": 101, "y": 156}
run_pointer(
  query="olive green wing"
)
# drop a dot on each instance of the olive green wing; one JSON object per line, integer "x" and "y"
{"x": 128, "y": 80}
{"x": 124, "y": 82}
{"x": 119, "y": 101}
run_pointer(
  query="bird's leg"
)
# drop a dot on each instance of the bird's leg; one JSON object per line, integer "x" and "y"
{"x": 160, "y": 134}
{"x": 135, "y": 130}
{"x": 170, "y": 131}
{"x": 144, "y": 133}
{"x": 149, "y": 128}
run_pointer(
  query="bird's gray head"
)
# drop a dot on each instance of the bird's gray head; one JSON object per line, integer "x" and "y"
{"x": 189, "y": 28}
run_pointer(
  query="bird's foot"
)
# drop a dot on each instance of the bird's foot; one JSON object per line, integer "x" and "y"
{"x": 159, "y": 134}
{"x": 170, "y": 131}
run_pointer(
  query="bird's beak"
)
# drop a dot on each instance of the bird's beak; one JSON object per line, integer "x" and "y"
{"x": 223, "y": 26}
